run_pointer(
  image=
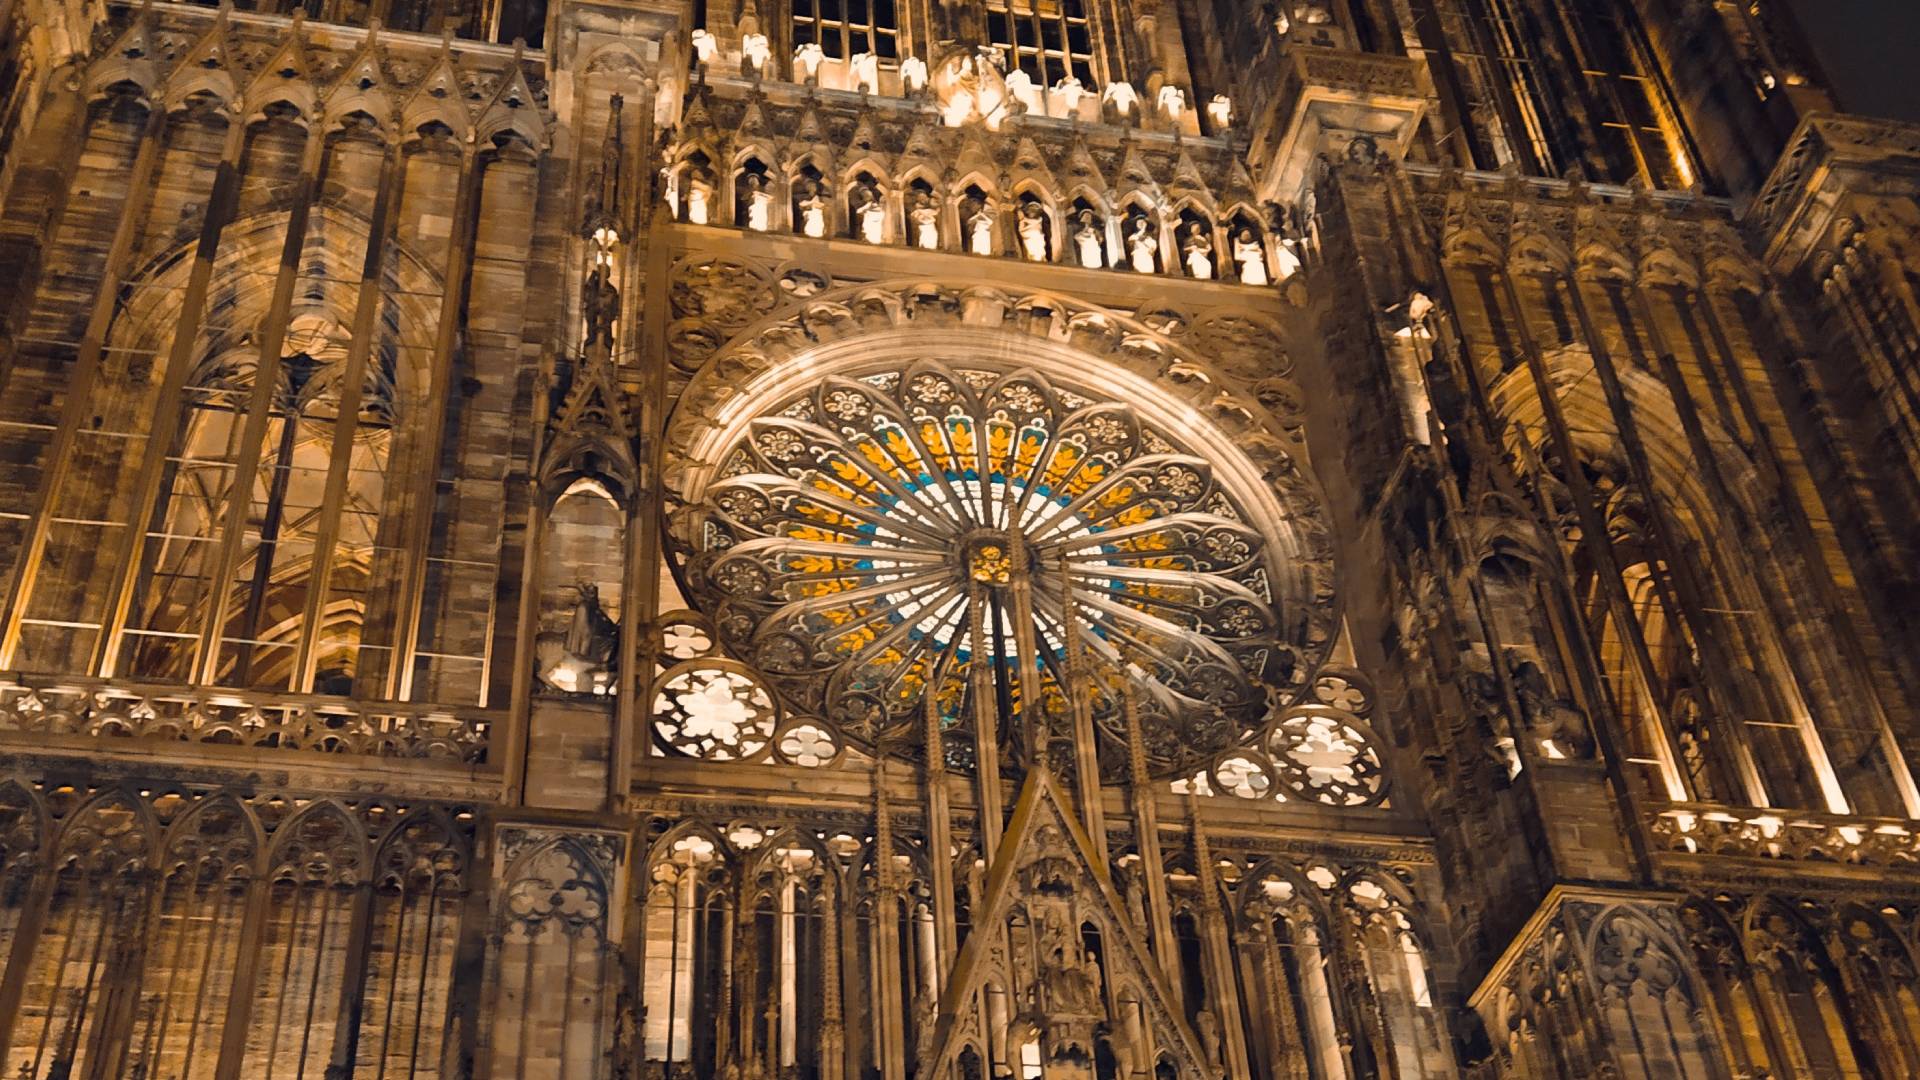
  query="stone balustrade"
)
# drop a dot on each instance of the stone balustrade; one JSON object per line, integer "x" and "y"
{"x": 61, "y": 706}
{"x": 1788, "y": 835}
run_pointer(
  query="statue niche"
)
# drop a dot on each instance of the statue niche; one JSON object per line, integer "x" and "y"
{"x": 581, "y": 660}
{"x": 581, "y": 570}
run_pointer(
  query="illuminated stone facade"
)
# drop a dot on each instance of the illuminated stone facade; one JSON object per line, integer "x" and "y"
{"x": 867, "y": 539}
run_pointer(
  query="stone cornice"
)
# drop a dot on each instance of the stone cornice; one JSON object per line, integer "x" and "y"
{"x": 1829, "y": 155}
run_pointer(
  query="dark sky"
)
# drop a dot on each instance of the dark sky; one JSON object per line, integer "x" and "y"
{"x": 1870, "y": 50}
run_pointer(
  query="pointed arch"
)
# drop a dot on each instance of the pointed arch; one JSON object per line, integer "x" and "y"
{"x": 208, "y": 870}
{"x": 316, "y": 868}
{"x": 1801, "y": 991}
{"x": 552, "y": 971}
{"x": 93, "y": 914}
{"x": 1389, "y": 940}
{"x": 421, "y": 871}
{"x": 1647, "y": 998}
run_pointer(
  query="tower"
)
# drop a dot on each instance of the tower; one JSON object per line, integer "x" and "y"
{"x": 1053, "y": 539}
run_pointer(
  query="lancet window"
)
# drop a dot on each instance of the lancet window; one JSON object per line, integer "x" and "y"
{"x": 1049, "y": 40}
{"x": 1561, "y": 85}
{"x": 237, "y": 606}
{"x": 847, "y": 28}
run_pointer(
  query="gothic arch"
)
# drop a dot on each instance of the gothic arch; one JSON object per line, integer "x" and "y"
{"x": 1880, "y": 972}
{"x": 1800, "y": 989}
{"x": 185, "y": 828}
{"x": 92, "y": 908}
{"x": 137, "y": 837}
{"x": 662, "y": 849}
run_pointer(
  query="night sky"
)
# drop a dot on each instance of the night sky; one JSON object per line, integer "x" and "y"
{"x": 1870, "y": 50}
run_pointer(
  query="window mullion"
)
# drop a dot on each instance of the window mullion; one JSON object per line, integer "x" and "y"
{"x": 348, "y": 390}
{"x": 254, "y": 432}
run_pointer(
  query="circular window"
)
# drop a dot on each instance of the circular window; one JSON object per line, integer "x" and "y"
{"x": 955, "y": 527}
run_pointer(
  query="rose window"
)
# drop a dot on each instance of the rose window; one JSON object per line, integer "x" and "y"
{"x": 948, "y": 531}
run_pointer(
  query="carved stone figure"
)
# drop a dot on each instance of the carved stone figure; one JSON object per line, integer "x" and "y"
{"x": 1033, "y": 232}
{"x": 1142, "y": 249}
{"x": 1088, "y": 244}
{"x": 1551, "y": 719}
{"x": 756, "y": 202}
{"x": 1072, "y": 985}
{"x": 580, "y": 661}
{"x": 925, "y": 218}
{"x": 1197, "y": 247}
{"x": 813, "y": 209}
{"x": 1252, "y": 257}
{"x": 869, "y": 211}
{"x": 864, "y": 70}
{"x": 979, "y": 227}
{"x": 1207, "y": 1027}
{"x": 969, "y": 87}
{"x": 755, "y": 51}
{"x": 600, "y": 304}
{"x": 699, "y": 195}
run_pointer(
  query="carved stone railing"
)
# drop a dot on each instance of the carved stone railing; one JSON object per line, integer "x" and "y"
{"x": 36, "y": 705}
{"x": 1776, "y": 834}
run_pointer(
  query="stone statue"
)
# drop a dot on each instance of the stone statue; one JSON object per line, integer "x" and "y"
{"x": 600, "y": 304}
{"x": 1033, "y": 232}
{"x": 756, "y": 203}
{"x": 699, "y": 195}
{"x": 813, "y": 210}
{"x": 1198, "y": 250}
{"x": 1142, "y": 249}
{"x": 869, "y": 211}
{"x": 979, "y": 227}
{"x": 1087, "y": 241}
{"x": 1072, "y": 985}
{"x": 925, "y": 218}
{"x": 1549, "y": 718}
{"x": 1136, "y": 900}
{"x": 864, "y": 69}
{"x": 580, "y": 661}
{"x": 968, "y": 86}
{"x": 1248, "y": 252}
{"x": 1208, "y": 1028}
{"x": 755, "y": 51}
{"x": 926, "y": 1009}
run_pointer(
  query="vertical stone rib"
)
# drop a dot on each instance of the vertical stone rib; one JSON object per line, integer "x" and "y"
{"x": 1708, "y": 462}
{"x": 939, "y": 830}
{"x": 351, "y": 385}
{"x": 1665, "y": 536}
{"x": 1146, "y": 829}
{"x": 80, "y": 387}
{"x": 422, "y": 502}
{"x": 986, "y": 732}
{"x": 1593, "y": 528}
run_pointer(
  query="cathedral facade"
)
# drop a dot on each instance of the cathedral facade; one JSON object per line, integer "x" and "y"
{"x": 955, "y": 540}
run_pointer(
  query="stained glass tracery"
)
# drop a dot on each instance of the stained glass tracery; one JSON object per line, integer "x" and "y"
{"x": 881, "y": 537}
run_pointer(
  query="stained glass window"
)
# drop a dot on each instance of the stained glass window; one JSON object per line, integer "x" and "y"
{"x": 882, "y": 537}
